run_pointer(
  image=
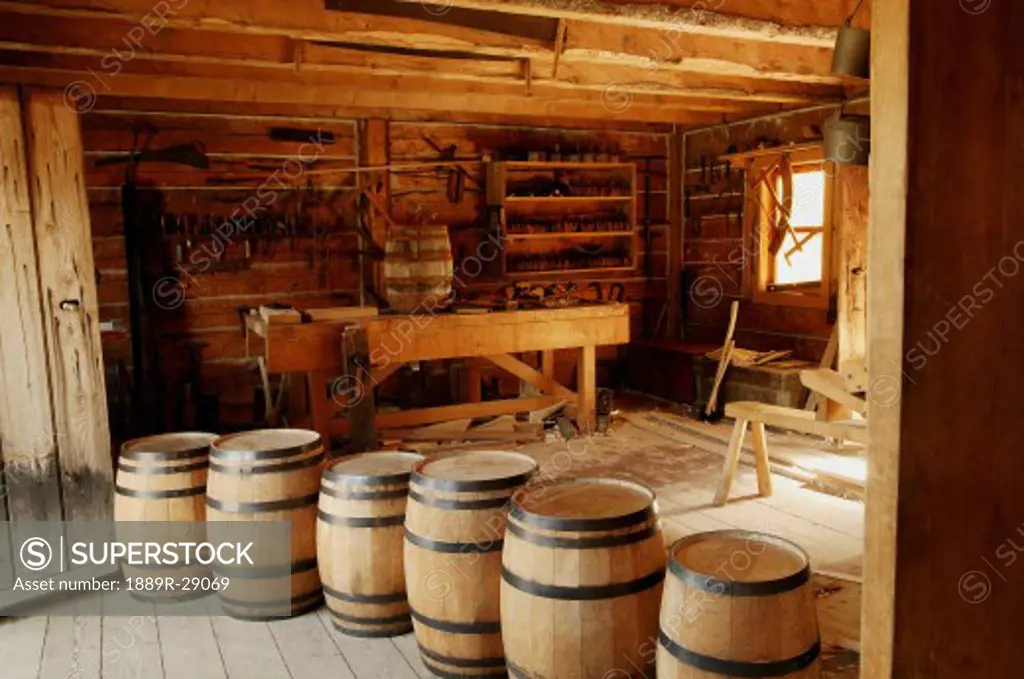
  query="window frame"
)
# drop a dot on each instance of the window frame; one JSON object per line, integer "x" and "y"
{"x": 757, "y": 233}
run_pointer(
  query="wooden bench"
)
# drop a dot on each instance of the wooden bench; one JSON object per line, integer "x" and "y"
{"x": 757, "y": 415}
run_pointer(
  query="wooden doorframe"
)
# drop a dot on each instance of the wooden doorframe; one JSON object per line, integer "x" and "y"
{"x": 887, "y": 235}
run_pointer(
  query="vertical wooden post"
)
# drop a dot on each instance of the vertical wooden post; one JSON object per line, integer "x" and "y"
{"x": 890, "y": 85}
{"x": 547, "y": 364}
{"x": 320, "y": 405}
{"x": 851, "y": 237}
{"x": 374, "y": 151}
{"x": 474, "y": 375}
{"x": 362, "y": 410}
{"x": 676, "y": 232}
{"x": 70, "y": 309}
{"x": 26, "y": 416}
{"x": 586, "y": 388}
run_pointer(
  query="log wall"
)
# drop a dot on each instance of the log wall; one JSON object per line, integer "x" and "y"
{"x": 195, "y": 302}
{"x": 716, "y": 259}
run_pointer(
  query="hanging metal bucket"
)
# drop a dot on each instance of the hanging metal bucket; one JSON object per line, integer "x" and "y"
{"x": 848, "y": 139}
{"x": 852, "y": 56}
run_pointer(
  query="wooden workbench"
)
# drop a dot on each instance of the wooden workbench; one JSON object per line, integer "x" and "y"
{"x": 316, "y": 349}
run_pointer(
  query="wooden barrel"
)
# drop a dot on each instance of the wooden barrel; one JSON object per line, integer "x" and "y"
{"x": 454, "y": 530}
{"x": 418, "y": 264}
{"x": 738, "y": 604}
{"x": 163, "y": 478}
{"x": 269, "y": 475}
{"x": 359, "y": 543}
{"x": 582, "y": 572}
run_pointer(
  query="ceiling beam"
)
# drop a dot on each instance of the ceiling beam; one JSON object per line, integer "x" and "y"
{"x": 649, "y": 49}
{"x": 109, "y": 105}
{"x": 93, "y": 38}
{"x": 298, "y": 19}
{"x": 167, "y": 83}
{"x": 806, "y": 22}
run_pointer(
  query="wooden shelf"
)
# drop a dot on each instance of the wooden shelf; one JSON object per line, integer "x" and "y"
{"x": 511, "y": 200}
{"x": 772, "y": 151}
{"x": 570, "y": 234}
{"x": 565, "y": 209}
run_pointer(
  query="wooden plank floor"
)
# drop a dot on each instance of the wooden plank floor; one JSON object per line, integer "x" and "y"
{"x": 830, "y": 529}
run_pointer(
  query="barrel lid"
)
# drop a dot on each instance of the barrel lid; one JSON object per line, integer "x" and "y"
{"x": 584, "y": 504}
{"x": 478, "y": 470}
{"x": 265, "y": 444}
{"x": 739, "y": 563}
{"x": 376, "y": 468}
{"x": 171, "y": 446}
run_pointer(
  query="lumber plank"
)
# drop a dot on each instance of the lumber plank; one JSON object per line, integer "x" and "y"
{"x": 248, "y": 649}
{"x": 21, "y": 644}
{"x": 308, "y": 649}
{"x": 412, "y": 418}
{"x": 70, "y": 306}
{"x": 72, "y": 648}
{"x": 190, "y": 648}
{"x": 131, "y": 647}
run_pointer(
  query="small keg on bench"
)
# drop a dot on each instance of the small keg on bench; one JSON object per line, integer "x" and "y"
{"x": 269, "y": 475}
{"x": 454, "y": 526}
{"x": 738, "y": 604}
{"x": 359, "y": 542}
{"x": 582, "y": 572}
{"x": 163, "y": 478}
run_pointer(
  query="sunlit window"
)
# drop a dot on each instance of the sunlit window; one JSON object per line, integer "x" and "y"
{"x": 800, "y": 259}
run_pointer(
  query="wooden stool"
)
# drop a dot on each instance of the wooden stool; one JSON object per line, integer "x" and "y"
{"x": 732, "y": 456}
{"x": 757, "y": 415}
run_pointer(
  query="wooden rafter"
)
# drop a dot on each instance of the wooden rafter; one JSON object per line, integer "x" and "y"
{"x": 803, "y": 23}
{"x": 566, "y": 53}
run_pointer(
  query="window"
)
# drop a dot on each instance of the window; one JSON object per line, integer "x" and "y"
{"x": 788, "y": 220}
{"x": 800, "y": 260}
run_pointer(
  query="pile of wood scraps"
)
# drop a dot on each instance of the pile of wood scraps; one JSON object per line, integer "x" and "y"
{"x": 502, "y": 431}
{"x": 746, "y": 358}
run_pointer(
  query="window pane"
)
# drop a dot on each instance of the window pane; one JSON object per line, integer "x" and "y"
{"x": 808, "y": 199}
{"x": 803, "y": 266}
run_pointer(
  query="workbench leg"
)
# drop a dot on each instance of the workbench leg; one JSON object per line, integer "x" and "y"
{"x": 732, "y": 461}
{"x": 547, "y": 364}
{"x": 474, "y": 378}
{"x": 320, "y": 406}
{"x": 586, "y": 388}
{"x": 764, "y": 470}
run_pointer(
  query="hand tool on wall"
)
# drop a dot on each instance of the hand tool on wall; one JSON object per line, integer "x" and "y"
{"x": 456, "y": 186}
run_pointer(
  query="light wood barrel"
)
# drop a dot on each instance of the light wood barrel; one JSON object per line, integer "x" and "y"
{"x": 269, "y": 475}
{"x": 163, "y": 478}
{"x": 582, "y": 573}
{"x": 359, "y": 542}
{"x": 454, "y": 529}
{"x": 418, "y": 264}
{"x": 738, "y": 604}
